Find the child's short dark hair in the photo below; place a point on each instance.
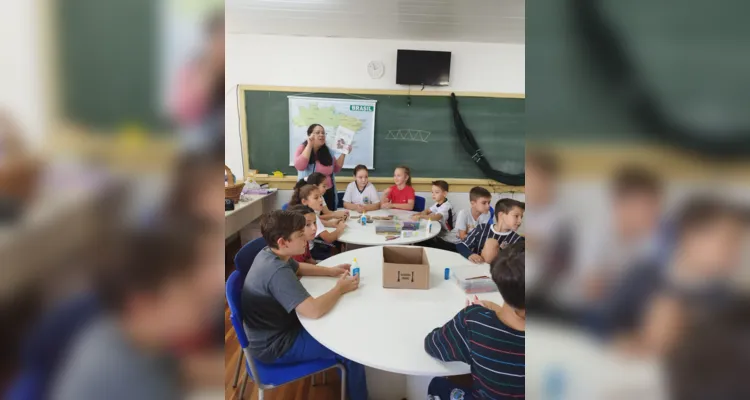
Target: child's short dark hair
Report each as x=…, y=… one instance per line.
x=280, y=224
x=509, y=274
x=544, y=161
x=718, y=339
x=696, y=211
x=478, y=192
x=301, y=192
x=441, y=184
x=504, y=206
x=634, y=179
x=358, y=168
x=316, y=178
x=301, y=209
x=152, y=257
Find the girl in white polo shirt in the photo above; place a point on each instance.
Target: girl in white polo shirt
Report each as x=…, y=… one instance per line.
x=361, y=195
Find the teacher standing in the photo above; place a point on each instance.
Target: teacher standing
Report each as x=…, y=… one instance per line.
x=314, y=156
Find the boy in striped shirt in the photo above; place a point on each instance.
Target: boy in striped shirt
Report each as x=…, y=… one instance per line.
x=486, y=240
x=487, y=336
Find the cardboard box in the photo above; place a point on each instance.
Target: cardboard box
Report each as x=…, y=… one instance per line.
x=405, y=268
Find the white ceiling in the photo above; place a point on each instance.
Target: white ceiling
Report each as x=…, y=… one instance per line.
x=497, y=21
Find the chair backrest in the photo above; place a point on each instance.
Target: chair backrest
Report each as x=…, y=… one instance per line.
x=340, y=196
x=234, y=300
x=492, y=215
x=245, y=257
x=284, y=207
x=419, y=203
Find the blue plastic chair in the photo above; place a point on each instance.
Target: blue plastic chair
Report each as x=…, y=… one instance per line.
x=269, y=376
x=44, y=348
x=492, y=215
x=419, y=203
x=245, y=257
x=243, y=260
x=284, y=207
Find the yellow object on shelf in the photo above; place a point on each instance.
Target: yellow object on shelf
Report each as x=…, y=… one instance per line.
x=278, y=174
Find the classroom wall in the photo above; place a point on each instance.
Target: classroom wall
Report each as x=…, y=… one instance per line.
x=342, y=63
x=21, y=85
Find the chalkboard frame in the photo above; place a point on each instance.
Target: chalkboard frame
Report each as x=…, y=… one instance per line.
x=241, y=89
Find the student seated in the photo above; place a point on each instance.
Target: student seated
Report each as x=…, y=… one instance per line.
x=361, y=195
x=441, y=211
x=487, y=336
x=325, y=241
x=648, y=307
x=486, y=240
x=319, y=180
x=272, y=293
x=479, y=213
x=310, y=234
x=401, y=195
x=163, y=291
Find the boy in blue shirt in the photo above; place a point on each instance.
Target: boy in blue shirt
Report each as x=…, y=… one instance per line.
x=486, y=240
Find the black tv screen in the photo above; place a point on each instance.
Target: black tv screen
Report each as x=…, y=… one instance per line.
x=418, y=67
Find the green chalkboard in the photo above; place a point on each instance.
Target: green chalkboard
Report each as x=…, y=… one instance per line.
x=497, y=125
x=108, y=69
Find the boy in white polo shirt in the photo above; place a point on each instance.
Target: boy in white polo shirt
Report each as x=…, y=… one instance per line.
x=441, y=211
x=479, y=213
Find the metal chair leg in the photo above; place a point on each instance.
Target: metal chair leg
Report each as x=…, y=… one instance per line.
x=244, y=385
x=343, y=381
x=324, y=377
x=261, y=392
x=313, y=380
x=237, y=373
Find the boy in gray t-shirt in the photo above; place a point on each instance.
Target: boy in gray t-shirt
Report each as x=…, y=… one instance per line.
x=272, y=296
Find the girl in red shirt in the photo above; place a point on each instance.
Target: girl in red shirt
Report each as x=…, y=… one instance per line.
x=401, y=195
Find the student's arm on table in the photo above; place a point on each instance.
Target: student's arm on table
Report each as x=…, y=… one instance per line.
x=352, y=206
x=385, y=201
x=330, y=237
x=448, y=343
x=408, y=206
x=372, y=207
x=329, y=222
x=491, y=250
x=423, y=214
x=662, y=325
x=310, y=269
x=316, y=307
x=462, y=234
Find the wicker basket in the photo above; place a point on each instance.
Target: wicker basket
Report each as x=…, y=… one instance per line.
x=233, y=190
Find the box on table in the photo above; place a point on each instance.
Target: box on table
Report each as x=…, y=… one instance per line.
x=405, y=268
x=473, y=280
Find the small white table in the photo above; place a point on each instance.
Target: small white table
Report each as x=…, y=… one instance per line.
x=385, y=328
x=360, y=235
x=245, y=212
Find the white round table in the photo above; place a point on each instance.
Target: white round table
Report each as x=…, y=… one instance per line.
x=584, y=367
x=385, y=328
x=360, y=235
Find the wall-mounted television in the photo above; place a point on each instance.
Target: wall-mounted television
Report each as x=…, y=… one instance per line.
x=419, y=67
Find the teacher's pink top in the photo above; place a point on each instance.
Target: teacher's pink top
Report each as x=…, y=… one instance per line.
x=301, y=162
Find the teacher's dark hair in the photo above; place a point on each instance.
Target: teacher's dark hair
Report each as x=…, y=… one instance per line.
x=324, y=154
